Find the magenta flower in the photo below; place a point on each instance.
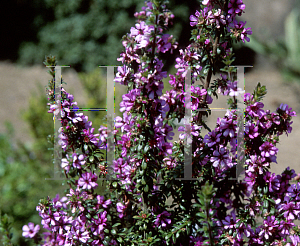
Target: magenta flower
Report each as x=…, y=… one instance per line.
x=270, y=224
x=78, y=161
x=272, y=181
x=194, y=19
x=245, y=32
x=121, y=208
x=162, y=219
x=288, y=111
x=230, y=221
x=30, y=230
x=128, y=100
x=101, y=201
x=65, y=163
x=291, y=210
x=220, y=157
x=212, y=138
x=88, y=181
x=285, y=227
x=295, y=239
x=229, y=126
x=123, y=75
x=267, y=149
x=236, y=7
x=216, y=18
x=100, y=223
x=251, y=130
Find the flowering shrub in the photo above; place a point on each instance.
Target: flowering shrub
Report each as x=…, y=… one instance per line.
x=211, y=209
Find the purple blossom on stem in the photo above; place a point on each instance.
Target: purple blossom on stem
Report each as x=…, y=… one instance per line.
x=212, y=138
x=162, y=219
x=272, y=181
x=251, y=130
x=230, y=221
x=99, y=223
x=228, y=126
x=194, y=19
x=236, y=7
x=121, y=209
x=30, y=230
x=78, y=161
x=291, y=210
x=220, y=157
x=268, y=149
x=87, y=181
x=270, y=224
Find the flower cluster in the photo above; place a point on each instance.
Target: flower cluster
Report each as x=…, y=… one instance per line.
x=149, y=169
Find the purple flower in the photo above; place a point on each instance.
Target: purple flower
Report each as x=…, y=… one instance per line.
x=295, y=239
x=162, y=219
x=30, y=230
x=78, y=161
x=236, y=7
x=270, y=225
x=245, y=32
x=80, y=235
x=267, y=149
x=128, y=100
x=163, y=43
x=233, y=89
x=285, y=227
x=121, y=208
x=99, y=223
x=194, y=19
x=285, y=111
x=216, y=17
x=65, y=163
x=230, y=221
x=256, y=163
x=273, y=181
x=255, y=110
x=212, y=138
x=294, y=191
x=88, y=181
x=220, y=157
x=229, y=126
x=102, y=202
x=291, y=210
x=123, y=75
x=251, y=130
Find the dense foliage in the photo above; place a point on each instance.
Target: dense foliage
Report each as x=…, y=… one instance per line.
x=84, y=33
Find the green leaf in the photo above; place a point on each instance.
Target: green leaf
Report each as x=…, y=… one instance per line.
x=139, y=147
x=266, y=203
x=202, y=215
x=146, y=189
x=144, y=165
x=146, y=149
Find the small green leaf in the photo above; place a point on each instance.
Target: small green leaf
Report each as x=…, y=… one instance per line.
x=144, y=165
x=146, y=189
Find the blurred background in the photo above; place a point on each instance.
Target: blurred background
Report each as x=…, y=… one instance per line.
x=86, y=34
